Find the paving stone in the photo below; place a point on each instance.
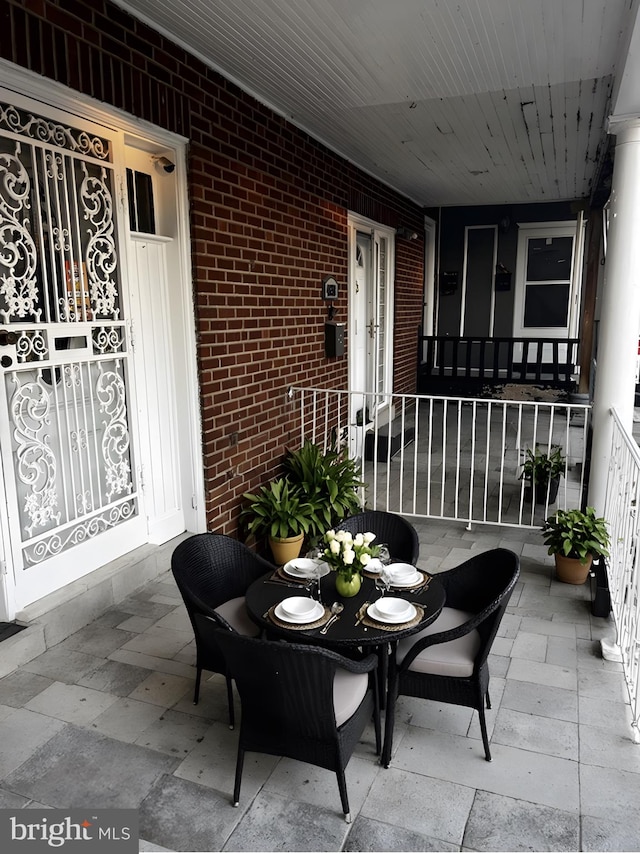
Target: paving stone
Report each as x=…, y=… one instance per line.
x=174, y=733
x=605, y=834
x=63, y=665
x=534, y=732
x=71, y=703
x=19, y=687
x=78, y=768
x=539, y=699
x=115, y=677
x=275, y=823
x=543, y=674
x=127, y=719
x=402, y=797
x=11, y=801
x=97, y=640
x=367, y=834
x=183, y=816
x=499, y=823
x=23, y=733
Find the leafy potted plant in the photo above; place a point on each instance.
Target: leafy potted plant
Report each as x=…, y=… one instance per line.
x=574, y=537
x=541, y=470
x=280, y=512
x=329, y=481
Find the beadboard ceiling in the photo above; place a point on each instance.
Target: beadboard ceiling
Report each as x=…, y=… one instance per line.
x=452, y=102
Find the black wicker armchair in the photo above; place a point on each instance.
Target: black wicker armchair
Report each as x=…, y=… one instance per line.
x=298, y=700
x=448, y=661
x=213, y=572
x=389, y=528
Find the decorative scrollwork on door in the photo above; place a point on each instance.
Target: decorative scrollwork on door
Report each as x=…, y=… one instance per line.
x=36, y=462
x=18, y=284
x=63, y=380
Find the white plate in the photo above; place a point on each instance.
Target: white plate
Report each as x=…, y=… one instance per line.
x=409, y=581
x=316, y=614
x=302, y=567
x=301, y=607
x=391, y=608
x=372, y=611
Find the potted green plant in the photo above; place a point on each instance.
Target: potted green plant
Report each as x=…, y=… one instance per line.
x=541, y=470
x=330, y=482
x=280, y=512
x=575, y=537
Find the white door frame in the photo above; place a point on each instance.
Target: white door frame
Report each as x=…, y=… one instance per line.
x=356, y=322
x=54, y=95
x=429, y=301
x=527, y=230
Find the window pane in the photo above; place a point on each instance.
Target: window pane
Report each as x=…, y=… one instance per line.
x=549, y=259
x=546, y=305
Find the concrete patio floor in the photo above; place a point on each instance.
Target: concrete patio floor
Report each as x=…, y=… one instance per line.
x=105, y=719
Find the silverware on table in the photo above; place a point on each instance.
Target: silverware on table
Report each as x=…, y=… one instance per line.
x=336, y=609
x=422, y=587
x=298, y=585
x=361, y=612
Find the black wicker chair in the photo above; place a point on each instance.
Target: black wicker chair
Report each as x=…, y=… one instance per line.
x=298, y=700
x=213, y=572
x=448, y=661
x=400, y=535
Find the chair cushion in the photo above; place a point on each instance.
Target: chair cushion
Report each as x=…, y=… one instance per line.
x=452, y=658
x=235, y=613
x=349, y=690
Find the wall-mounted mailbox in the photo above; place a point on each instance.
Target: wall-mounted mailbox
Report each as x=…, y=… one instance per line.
x=333, y=338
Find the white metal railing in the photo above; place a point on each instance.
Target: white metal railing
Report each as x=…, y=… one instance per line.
x=449, y=458
x=622, y=511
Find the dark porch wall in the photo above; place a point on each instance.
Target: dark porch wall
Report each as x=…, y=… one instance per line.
x=453, y=222
x=268, y=220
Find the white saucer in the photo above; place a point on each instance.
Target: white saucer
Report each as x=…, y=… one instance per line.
x=410, y=613
x=302, y=567
x=374, y=566
x=315, y=615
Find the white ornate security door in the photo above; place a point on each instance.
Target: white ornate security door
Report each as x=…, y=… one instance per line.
x=71, y=500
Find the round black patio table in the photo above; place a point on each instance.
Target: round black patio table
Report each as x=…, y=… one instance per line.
x=343, y=634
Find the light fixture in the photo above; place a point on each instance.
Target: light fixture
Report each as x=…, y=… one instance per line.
x=406, y=233
x=164, y=162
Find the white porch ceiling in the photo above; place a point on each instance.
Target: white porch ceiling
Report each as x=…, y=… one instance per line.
x=451, y=103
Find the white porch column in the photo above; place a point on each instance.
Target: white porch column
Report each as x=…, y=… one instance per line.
x=620, y=312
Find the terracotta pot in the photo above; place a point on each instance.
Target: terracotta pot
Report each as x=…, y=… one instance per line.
x=345, y=588
x=570, y=570
x=285, y=550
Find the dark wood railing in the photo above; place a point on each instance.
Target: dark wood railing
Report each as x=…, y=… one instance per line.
x=448, y=364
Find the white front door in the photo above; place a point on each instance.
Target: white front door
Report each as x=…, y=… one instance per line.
x=370, y=324
x=68, y=437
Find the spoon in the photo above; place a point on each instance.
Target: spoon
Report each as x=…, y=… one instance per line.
x=336, y=609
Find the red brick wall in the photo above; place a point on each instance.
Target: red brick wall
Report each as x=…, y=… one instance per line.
x=268, y=221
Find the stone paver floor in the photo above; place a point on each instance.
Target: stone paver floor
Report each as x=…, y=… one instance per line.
x=106, y=719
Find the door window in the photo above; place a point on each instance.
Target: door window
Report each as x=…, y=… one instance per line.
x=546, y=280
